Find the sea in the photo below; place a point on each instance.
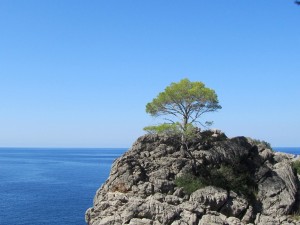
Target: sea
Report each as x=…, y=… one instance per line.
x=44, y=186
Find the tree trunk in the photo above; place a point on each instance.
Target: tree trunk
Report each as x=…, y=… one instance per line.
x=183, y=150
x=184, y=123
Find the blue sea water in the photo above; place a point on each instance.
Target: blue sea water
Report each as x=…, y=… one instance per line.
x=291, y=150
x=54, y=186
x=51, y=186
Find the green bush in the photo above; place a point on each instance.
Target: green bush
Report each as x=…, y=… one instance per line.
x=264, y=143
x=296, y=166
x=189, y=183
x=235, y=178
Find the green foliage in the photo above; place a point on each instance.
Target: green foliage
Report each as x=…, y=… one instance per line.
x=185, y=100
x=296, y=166
x=229, y=177
x=190, y=131
x=260, y=142
x=163, y=128
x=267, y=144
x=233, y=178
x=189, y=183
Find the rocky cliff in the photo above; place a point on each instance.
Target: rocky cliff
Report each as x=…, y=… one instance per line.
x=220, y=181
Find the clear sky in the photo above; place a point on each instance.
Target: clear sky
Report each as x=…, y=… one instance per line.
x=77, y=73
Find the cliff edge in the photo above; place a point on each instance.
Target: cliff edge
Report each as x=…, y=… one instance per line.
x=226, y=181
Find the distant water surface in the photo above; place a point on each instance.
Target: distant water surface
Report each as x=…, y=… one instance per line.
x=54, y=186
x=291, y=150
x=51, y=186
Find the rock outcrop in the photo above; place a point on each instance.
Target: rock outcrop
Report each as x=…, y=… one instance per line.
x=142, y=187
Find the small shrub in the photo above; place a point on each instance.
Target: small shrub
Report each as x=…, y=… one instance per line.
x=264, y=143
x=296, y=166
x=189, y=183
x=231, y=179
x=295, y=215
x=235, y=178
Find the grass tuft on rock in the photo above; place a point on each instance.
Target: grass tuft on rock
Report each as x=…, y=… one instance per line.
x=295, y=215
x=296, y=166
x=189, y=183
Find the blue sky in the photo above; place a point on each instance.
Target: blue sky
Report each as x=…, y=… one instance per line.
x=79, y=73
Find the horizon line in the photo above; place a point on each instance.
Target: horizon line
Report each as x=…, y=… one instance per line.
x=1, y=147
x=57, y=147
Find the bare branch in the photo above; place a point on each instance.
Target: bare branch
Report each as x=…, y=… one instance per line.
x=172, y=122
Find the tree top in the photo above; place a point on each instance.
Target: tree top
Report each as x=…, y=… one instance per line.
x=185, y=100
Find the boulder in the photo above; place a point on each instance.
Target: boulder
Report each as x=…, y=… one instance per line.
x=213, y=219
x=210, y=197
x=235, y=205
x=277, y=192
x=142, y=187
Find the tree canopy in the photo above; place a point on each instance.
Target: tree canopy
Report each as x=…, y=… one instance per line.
x=185, y=101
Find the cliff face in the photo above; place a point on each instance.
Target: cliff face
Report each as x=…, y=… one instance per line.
x=144, y=188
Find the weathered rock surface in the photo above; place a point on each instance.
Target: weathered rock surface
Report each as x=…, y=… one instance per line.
x=141, y=187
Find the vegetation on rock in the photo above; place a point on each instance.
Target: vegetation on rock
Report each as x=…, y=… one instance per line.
x=189, y=183
x=183, y=103
x=296, y=166
x=235, y=178
x=261, y=142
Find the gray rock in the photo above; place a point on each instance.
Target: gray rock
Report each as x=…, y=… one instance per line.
x=266, y=220
x=266, y=154
x=194, y=207
x=277, y=192
x=173, y=200
x=235, y=205
x=212, y=220
x=249, y=215
x=137, y=221
x=179, y=192
x=211, y=197
x=141, y=187
x=179, y=222
x=280, y=156
x=188, y=217
x=109, y=220
x=234, y=221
